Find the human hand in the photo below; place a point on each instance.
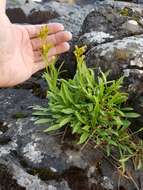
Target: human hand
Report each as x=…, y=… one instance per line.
x=20, y=55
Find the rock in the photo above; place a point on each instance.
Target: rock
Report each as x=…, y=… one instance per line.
x=30, y=13
x=110, y=23
x=14, y=177
x=94, y=38
x=15, y=2
x=128, y=62
x=131, y=25
x=33, y=160
x=71, y=17
x=35, y=13
x=120, y=51
x=121, y=57
x=7, y=181
x=18, y=131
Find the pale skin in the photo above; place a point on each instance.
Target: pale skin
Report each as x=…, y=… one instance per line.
x=20, y=54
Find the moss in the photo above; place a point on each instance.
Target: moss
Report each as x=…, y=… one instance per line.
x=44, y=174
x=126, y=12
x=19, y=115
x=3, y=127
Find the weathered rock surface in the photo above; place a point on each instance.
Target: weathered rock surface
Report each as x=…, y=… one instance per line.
x=33, y=160
x=30, y=13
x=118, y=49
x=71, y=16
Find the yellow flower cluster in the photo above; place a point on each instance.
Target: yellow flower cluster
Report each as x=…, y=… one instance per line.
x=43, y=32
x=79, y=51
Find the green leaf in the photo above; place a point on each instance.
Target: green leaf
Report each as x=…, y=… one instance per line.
x=95, y=112
x=53, y=128
x=126, y=123
x=62, y=94
x=76, y=128
x=86, y=128
x=118, y=121
x=42, y=121
x=132, y=115
x=67, y=93
x=79, y=117
x=67, y=111
x=114, y=132
x=140, y=164
x=90, y=107
x=38, y=108
x=129, y=150
x=123, y=160
x=104, y=134
x=108, y=150
x=104, y=76
x=38, y=113
x=127, y=109
x=112, y=142
x=83, y=138
x=64, y=121
x=120, y=112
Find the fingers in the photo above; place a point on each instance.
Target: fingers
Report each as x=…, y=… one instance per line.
x=61, y=48
x=58, y=38
x=53, y=39
x=39, y=63
x=33, y=30
x=38, y=66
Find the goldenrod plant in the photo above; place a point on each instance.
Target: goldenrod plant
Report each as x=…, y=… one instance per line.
x=94, y=110
x=45, y=47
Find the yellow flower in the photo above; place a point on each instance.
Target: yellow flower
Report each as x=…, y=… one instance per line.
x=80, y=51
x=43, y=32
x=45, y=49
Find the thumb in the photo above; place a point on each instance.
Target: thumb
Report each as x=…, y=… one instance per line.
x=2, y=6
